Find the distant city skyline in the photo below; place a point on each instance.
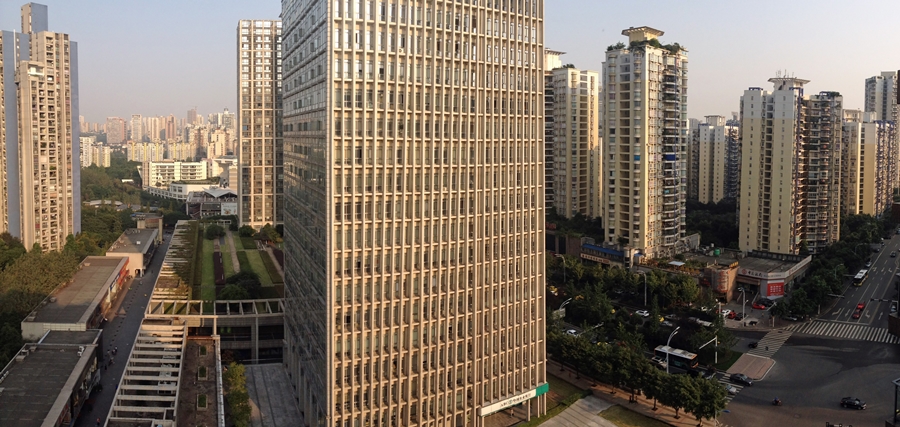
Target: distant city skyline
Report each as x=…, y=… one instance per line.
x=172, y=56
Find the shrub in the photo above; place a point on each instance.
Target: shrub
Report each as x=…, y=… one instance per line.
x=246, y=231
x=214, y=231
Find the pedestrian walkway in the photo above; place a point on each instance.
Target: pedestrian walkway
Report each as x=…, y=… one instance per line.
x=853, y=331
x=642, y=405
x=229, y=241
x=770, y=343
x=582, y=413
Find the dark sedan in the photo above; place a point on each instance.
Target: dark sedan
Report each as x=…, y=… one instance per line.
x=852, y=402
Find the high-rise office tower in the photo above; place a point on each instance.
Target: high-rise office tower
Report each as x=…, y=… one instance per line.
x=693, y=165
x=137, y=128
x=259, y=142
x=115, y=130
x=718, y=159
x=39, y=134
x=868, y=162
x=790, y=168
x=414, y=211
x=575, y=132
x=645, y=132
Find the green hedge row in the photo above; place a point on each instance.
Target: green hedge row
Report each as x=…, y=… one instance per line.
x=248, y=243
x=271, y=268
x=244, y=261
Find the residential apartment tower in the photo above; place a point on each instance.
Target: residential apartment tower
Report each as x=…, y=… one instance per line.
x=645, y=128
x=40, y=198
x=259, y=146
x=790, y=168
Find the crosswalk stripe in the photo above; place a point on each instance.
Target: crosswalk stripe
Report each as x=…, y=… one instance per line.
x=834, y=329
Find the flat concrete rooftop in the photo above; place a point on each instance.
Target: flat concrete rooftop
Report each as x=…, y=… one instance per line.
x=134, y=240
x=71, y=337
x=271, y=397
x=765, y=264
x=39, y=385
x=76, y=301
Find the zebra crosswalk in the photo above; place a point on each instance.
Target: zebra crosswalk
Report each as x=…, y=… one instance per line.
x=852, y=331
x=770, y=343
x=723, y=379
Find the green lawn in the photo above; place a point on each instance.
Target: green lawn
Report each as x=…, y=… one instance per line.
x=561, y=388
x=226, y=259
x=256, y=263
x=726, y=363
x=208, y=293
x=209, y=278
x=624, y=417
x=248, y=243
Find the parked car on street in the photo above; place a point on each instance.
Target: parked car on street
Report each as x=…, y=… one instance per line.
x=790, y=317
x=726, y=312
x=758, y=306
x=642, y=313
x=853, y=402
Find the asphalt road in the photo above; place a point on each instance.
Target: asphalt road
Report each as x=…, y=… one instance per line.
x=120, y=331
x=810, y=376
x=880, y=285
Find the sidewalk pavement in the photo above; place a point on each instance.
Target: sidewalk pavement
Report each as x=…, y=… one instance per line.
x=642, y=406
x=753, y=366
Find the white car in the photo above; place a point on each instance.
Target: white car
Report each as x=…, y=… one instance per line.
x=642, y=313
x=726, y=312
x=572, y=332
x=667, y=324
x=730, y=389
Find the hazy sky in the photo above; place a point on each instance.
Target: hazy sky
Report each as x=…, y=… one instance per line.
x=163, y=57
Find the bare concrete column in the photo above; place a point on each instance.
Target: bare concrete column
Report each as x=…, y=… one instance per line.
x=254, y=335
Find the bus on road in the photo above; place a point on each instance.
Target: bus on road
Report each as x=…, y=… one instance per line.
x=678, y=358
x=860, y=277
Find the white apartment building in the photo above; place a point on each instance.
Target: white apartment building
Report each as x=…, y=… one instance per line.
x=145, y=151
x=718, y=159
x=101, y=155
x=40, y=191
x=572, y=121
x=160, y=174
x=868, y=163
x=259, y=141
x=552, y=61
x=87, y=143
x=414, y=216
x=137, y=128
x=180, y=151
x=645, y=128
x=790, y=168
x=881, y=98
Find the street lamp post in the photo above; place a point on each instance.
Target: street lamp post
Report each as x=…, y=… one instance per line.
x=644, y=273
x=743, y=304
x=669, y=341
x=562, y=258
x=564, y=303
